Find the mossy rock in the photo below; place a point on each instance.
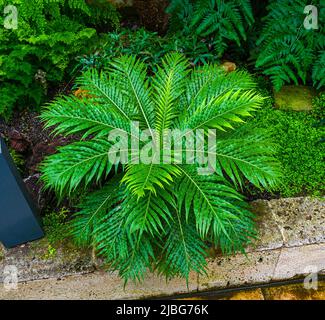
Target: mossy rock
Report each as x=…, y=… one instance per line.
x=296, y=98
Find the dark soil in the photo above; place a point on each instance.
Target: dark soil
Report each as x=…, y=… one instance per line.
x=25, y=134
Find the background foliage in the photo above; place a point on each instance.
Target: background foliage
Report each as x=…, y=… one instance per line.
x=287, y=51
x=148, y=46
x=35, y=56
x=218, y=21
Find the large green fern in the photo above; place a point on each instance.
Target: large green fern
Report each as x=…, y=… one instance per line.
x=158, y=216
x=288, y=52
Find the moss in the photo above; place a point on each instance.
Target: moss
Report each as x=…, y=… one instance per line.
x=298, y=149
x=297, y=98
x=2, y=255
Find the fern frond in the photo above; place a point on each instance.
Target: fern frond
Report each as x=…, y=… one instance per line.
x=287, y=50
x=221, y=112
x=71, y=115
x=251, y=158
x=78, y=163
x=131, y=74
x=105, y=90
x=96, y=206
x=183, y=250
x=142, y=177
x=169, y=83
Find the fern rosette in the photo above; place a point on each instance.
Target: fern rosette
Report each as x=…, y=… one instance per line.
x=160, y=216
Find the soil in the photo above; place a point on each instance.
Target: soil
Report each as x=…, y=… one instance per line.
x=25, y=134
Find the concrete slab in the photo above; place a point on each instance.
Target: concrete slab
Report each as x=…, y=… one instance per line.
x=97, y=286
x=269, y=233
x=291, y=245
x=237, y=270
x=32, y=262
x=301, y=220
x=298, y=261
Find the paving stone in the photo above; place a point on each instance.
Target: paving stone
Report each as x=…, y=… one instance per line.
x=98, y=285
x=239, y=270
x=301, y=260
x=269, y=233
x=291, y=240
x=301, y=220
x=32, y=262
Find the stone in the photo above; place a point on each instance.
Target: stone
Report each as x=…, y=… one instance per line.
x=296, y=98
x=269, y=233
x=32, y=263
x=239, y=270
x=229, y=66
x=301, y=220
x=297, y=261
x=291, y=246
x=99, y=286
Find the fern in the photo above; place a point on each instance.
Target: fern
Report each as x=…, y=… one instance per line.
x=224, y=21
x=287, y=51
x=157, y=216
x=50, y=34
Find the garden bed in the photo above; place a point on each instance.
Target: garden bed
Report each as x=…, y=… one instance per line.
x=81, y=79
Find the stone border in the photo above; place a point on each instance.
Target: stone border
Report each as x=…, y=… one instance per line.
x=291, y=245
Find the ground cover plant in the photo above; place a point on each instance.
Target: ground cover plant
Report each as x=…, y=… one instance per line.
x=297, y=137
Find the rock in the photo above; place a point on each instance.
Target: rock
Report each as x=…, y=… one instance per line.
x=32, y=263
x=297, y=98
x=229, y=66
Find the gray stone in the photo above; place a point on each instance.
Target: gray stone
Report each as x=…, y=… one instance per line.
x=291, y=245
x=269, y=233
x=98, y=285
x=298, y=261
x=301, y=220
x=238, y=270
x=33, y=264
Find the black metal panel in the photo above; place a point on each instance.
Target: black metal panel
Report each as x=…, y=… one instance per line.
x=19, y=219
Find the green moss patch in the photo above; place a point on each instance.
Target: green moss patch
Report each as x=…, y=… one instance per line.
x=296, y=98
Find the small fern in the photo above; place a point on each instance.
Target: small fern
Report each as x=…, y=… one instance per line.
x=287, y=51
x=224, y=21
